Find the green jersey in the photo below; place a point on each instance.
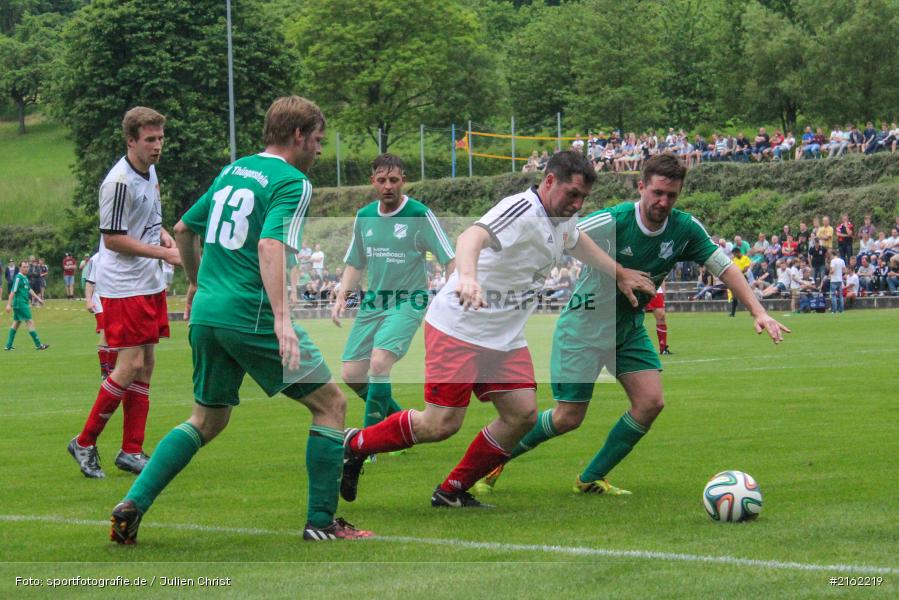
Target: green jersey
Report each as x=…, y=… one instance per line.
x=620, y=230
x=21, y=290
x=393, y=247
x=256, y=197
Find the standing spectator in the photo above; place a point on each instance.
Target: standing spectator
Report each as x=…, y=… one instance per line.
x=81, y=267
x=818, y=259
x=45, y=273
x=789, y=248
x=795, y=274
x=68, y=275
x=802, y=246
x=772, y=254
x=318, y=261
x=742, y=262
x=743, y=245
x=844, y=237
x=10, y=274
x=825, y=233
x=17, y=303
x=867, y=227
x=34, y=278
x=837, y=266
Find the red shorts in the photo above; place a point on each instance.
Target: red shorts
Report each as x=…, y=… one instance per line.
x=135, y=321
x=101, y=322
x=658, y=301
x=454, y=369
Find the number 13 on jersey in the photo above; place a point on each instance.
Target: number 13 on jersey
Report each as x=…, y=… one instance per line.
x=233, y=231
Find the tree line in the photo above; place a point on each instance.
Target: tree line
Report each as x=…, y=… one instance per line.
x=384, y=66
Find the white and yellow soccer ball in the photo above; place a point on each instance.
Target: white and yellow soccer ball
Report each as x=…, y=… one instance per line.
x=732, y=496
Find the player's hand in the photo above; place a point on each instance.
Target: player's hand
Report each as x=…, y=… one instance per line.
x=338, y=308
x=189, y=300
x=775, y=329
x=8, y=308
x=172, y=256
x=288, y=344
x=469, y=292
x=90, y=306
x=166, y=240
x=630, y=281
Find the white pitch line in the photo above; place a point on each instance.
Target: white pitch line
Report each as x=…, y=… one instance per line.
x=494, y=546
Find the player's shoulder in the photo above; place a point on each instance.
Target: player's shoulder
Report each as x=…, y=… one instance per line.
x=685, y=220
x=269, y=170
x=605, y=216
x=525, y=203
x=369, y=210
x=415, y=208
x=121, y=172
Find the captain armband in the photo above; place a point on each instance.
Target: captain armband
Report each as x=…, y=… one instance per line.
x=717, y=262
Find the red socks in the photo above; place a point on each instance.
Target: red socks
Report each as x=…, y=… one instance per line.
x=136, y=406
x=108, y=399
x=107, y=360
x=483, y=455
x=393, y=433
x=662, y=332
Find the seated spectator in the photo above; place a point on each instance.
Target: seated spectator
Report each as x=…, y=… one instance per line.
x=851, y=289
x=880, y=140
x=881, y=274
x=776, y=140
x=789, y=248
x=893, y=276
x=784, y=146
x=889, y=247
x=806, y=149
x=869, y=135
x=700, y=147
x=761, y=143
x=856, y=139
x=773, y=251
x=865, y=246
x=608, y=156
x=893, y=137
x=865, y=274
x=742, y=148
x=819, y=140
x=544, y=159
x=838, y=143
x=531, y=165
x=757, y=253
x=782, y=285
x=723, y=148
x=563, y=287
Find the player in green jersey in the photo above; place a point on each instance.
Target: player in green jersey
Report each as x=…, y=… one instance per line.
x=652, y=236
x=19, y=303
x=240, y=320
x=391, y=237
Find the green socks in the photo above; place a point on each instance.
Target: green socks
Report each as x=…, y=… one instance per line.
x=542, y=431
x=35, y=339
x=622, y=439
x=379, y=404
x=10, y=337
x=171, y=455
x=324, y=464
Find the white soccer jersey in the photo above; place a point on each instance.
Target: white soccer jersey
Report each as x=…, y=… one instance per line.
x=90, y=276
x=526, y=246
x=129, y=204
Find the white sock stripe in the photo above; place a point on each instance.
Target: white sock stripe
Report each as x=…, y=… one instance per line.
x=112, y=388
x=143, y=389
x=408, y=416
x=494, y=546
x=492, y=441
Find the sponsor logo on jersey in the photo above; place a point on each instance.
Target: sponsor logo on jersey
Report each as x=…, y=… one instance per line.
x=400, y=230
x=666, y=250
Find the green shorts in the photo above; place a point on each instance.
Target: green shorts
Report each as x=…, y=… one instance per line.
x=574, y=367
x=223, y=356
x=389, y=330
x=21, y=312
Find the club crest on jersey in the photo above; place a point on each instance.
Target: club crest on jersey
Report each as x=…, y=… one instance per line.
x=666, y=250
x=400, y=230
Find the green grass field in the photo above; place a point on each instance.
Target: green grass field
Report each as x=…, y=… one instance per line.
x=814, y=420
x=46, y=155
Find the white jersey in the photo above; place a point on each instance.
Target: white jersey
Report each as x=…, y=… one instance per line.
x=526, y=245
x=130, y=205
x=836, y=269
x=90, y=276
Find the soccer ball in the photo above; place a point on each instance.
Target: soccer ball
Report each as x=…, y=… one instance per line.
x=732, y=496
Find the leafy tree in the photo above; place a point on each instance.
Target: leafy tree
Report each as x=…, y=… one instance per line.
x=13, y=11
x=173, y=58
x=775, y=48
x=617, y=63
x=393, y=64
x=25, y=58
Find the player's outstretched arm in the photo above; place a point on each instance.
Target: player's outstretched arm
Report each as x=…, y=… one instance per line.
x=736, y=281
x=629, y=281
x=468, y=249
x=271, y=267
x=348, y=282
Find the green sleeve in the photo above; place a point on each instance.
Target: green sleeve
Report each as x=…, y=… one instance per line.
x=286, y=215
x=435, y=239
x=700, y=246
x=197, y=215
x=355, y=254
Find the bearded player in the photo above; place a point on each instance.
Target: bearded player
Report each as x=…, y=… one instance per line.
x=652, y=235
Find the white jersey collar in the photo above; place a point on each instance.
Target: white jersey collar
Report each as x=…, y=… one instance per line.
x=646, y=230
x=394, y=212
x=270, y=155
